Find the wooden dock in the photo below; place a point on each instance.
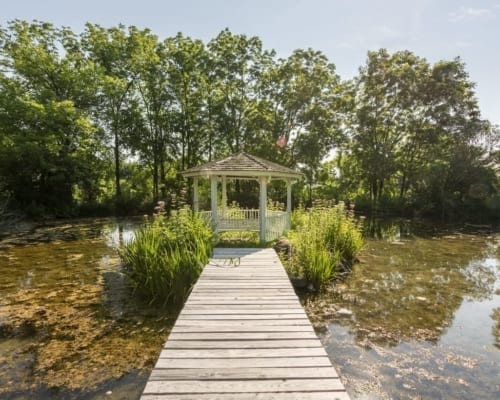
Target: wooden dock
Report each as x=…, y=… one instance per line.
x=243, y=334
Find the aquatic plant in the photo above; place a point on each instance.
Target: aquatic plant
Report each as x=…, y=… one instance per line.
x=324, y=238
x=168, y=254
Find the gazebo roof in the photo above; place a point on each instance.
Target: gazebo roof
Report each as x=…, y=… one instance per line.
x=242, y=165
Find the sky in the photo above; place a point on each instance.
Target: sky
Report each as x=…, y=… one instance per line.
x=344, y=30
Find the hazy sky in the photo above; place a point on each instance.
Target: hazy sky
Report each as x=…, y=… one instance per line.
x=342, y=29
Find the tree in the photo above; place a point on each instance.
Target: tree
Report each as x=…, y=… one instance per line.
x=46, y=90
x=148, y=135
x=415, y=131
x=236, y=64
x=306, y=100
x=112, y=51
x=187, y=87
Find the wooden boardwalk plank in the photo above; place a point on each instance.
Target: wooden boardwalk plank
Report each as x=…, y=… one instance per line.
x=246, y=353
x=242, y=373
x=241, y=344
x=244, y=386
x=243, y=323
x=242, y=362
x=242, y=328
x=250, y=396
x=243, y=334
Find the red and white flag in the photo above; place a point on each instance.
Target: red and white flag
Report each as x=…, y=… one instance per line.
x=281, y=142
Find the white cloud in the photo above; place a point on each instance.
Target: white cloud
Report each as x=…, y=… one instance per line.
x=469, y=14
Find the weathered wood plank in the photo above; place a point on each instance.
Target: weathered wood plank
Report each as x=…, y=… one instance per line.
x=243, y=373
x=325, y=395
x=240, y=316
x=246, y=353
x=224, y=300
x=239, y=328
x=248, y=311
x=241, y=307
x=238, y=293
x=243, y=362
x=241, y=335
x=243, y=323
x=225, y=297
x=241, y=344
x=243, y=386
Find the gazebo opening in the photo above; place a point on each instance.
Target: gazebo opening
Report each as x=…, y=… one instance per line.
x=242, y=166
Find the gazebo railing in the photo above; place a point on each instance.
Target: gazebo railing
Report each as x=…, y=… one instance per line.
x=277, y=223
x=237, y=219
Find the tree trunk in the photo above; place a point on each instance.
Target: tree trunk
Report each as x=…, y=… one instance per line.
x=116, y=149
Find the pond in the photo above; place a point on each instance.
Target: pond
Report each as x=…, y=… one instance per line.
x=418, y=317
x=69, y=326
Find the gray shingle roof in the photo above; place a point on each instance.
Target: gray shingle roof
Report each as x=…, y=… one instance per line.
x=242, y=165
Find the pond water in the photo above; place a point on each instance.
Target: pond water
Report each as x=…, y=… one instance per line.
x=69, y=326
x=418, y=317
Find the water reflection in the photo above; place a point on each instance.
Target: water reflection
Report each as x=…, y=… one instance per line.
x=412, y=302
x=69, y=326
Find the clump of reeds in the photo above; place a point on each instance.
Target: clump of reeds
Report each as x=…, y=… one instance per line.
x=325, y=239
x=168, y=254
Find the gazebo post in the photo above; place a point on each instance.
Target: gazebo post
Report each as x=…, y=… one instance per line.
x=224, y=195
x=213, y=201
x=263, y=208
x=196, y=201
x=289, y=196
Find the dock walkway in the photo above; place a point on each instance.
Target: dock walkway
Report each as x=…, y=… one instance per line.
x=243, y=334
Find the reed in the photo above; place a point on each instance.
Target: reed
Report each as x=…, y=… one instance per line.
x=324, y=239
x=167, y=256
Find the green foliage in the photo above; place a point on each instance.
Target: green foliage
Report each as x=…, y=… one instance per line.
x=323, y=240
x=417, y=141
x=239, y=239
x=167, y=255
x=108, y=118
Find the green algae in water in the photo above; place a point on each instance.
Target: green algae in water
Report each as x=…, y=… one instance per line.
x=69, y=326
x=417, y=318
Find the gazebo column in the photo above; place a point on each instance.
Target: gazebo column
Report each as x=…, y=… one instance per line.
x=263, y=208
x=224, y=196
x=288, y=203
x=289, y=196
x=196, y=201
x=213, y=201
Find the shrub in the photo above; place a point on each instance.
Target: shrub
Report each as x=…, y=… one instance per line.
x=167, y=255
x=323, y=239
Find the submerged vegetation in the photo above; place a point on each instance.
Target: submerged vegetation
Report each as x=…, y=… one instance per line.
x=167, y=255
x=325, y=240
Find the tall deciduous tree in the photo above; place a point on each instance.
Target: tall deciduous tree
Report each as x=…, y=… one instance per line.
x=46, y=89
x=305, y=99
x=236, y=65
x=113, y=50
x=187, y=86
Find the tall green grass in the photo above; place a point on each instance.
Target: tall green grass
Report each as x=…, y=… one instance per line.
x=167, y=256
x=324, y=239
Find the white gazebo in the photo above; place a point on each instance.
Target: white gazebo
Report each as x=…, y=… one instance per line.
x=244, y=166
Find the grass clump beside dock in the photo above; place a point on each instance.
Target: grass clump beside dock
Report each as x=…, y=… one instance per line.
x=167, y=256
x=325, y=239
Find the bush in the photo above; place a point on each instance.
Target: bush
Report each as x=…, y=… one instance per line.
x=167, y=256
x=323, y=239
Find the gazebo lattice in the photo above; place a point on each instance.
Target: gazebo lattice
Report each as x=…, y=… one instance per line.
x=269, y=223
